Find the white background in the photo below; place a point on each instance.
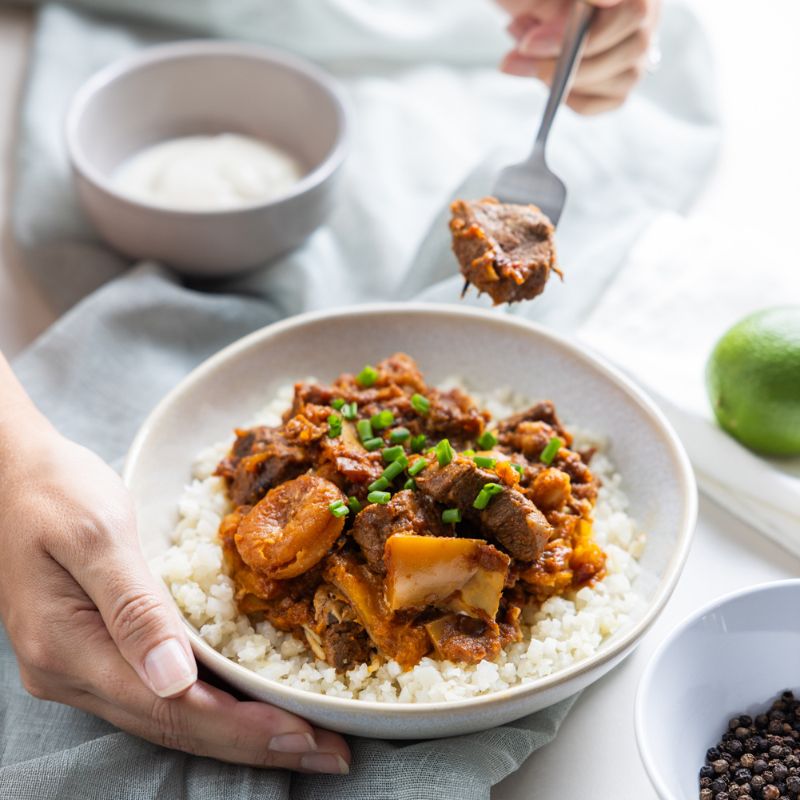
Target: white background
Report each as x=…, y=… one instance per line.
x=758, y=72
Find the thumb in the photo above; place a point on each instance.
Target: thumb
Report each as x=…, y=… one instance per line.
x=137, y=611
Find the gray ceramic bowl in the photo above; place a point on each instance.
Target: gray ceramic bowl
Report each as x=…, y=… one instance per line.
x=490, y=350
x=205, y=87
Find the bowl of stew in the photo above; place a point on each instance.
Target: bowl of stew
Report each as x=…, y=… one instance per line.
x=411, y=521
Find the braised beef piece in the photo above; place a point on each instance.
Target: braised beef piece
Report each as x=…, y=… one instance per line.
x=583, y=482
x=400, y=370
x=464, y=639
x=344, y=461
x=510, y=517
x=530, y=431
x=505, y=250
x=260, y=458
x=406, y=512
x=346, y=645
x=453, y=415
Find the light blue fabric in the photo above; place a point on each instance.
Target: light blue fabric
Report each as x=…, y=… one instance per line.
x=433, y=119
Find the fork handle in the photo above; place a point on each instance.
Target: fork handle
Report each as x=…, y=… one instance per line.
x=580, y=19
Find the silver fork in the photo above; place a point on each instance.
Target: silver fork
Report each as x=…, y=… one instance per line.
x=532, y=181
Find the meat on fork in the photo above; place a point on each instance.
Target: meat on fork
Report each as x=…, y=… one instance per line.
x=506, y=250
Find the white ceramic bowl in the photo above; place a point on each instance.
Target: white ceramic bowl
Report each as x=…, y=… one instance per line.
x=490, y=350
x=733, y=656
x=207, y=87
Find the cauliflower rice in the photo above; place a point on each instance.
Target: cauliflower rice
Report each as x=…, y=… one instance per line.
x=562, y=631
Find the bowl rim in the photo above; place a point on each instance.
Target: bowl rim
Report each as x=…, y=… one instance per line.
x=646, y=679
x=199, y=48
x=625, y=642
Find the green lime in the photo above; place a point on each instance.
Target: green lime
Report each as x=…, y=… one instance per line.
x=753, y=381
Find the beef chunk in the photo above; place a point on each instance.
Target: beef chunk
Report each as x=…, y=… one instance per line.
x=530, y=431
x=510, y=517
x=406, y=512
x=346, y=645
x=517, y=524
x=505, y=250
x=400, y=370
x=456, y=484
x=583, y=482
x=260, y=458
x=464, y=639
x=453, y=415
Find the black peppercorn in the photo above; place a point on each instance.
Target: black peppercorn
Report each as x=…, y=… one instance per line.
x=756, y=758
x=742, y=775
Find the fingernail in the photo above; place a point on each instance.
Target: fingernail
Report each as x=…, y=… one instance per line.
x=331, y=763
x=169, y=669
x=540, y=45
x=293, y=743
x=520, y=25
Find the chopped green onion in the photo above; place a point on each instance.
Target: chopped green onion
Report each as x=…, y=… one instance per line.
x=468, y=453
x=337, y=402
x=353, y=504
x=392, y=453
x=350, y=410
x=420, y=404
x=519, y=468
x=451, y=515
x=399, y=435
x=485, y=461
x=373, y=444
x=379, y=485
x=444, y=453
x=550, y=452
x=486, y=494
x=334, y=426
x=395, y=468
x=383, y=419
x=367, y=377
x=487, y=440
x=379, y=497
x=417, y=443
x=417, y=466
x=410, y=484
x=364, y=428
x=338, y=509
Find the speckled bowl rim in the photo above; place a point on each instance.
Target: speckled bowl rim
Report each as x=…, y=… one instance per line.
x=222, y=665
x=194, y=48
x=640, y=724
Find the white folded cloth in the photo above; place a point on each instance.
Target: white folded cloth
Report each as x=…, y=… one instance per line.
x=684, y=284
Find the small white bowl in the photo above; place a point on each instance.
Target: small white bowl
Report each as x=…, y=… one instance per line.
x=490, y=350
x=207, y=87
x=733, y=656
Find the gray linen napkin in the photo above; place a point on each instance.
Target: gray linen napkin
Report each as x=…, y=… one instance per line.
x=105, y=363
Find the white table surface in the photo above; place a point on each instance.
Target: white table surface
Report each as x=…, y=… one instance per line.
x=594, y=756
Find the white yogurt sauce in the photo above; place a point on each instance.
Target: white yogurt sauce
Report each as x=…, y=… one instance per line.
x=207, y=173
